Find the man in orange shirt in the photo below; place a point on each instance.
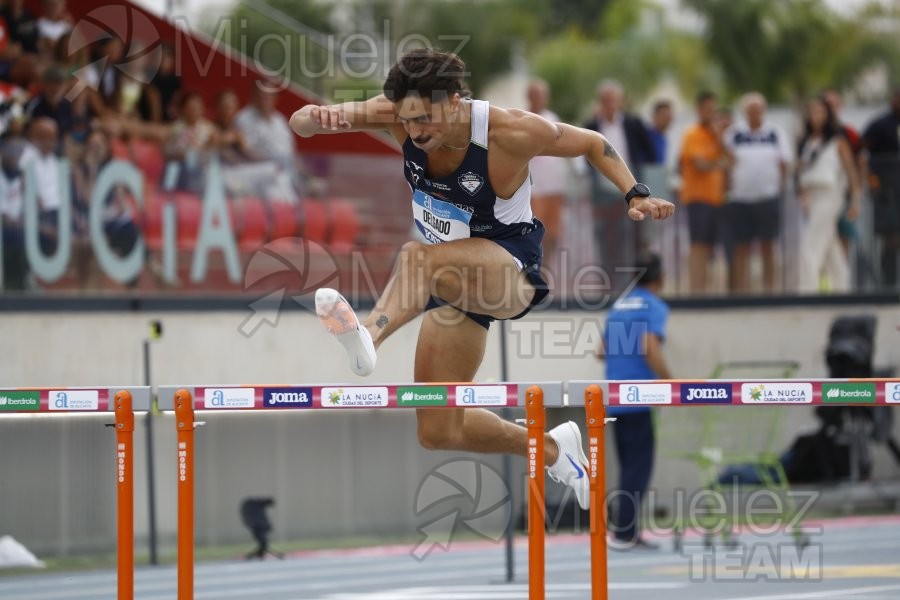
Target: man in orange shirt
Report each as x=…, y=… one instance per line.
x=704, y=166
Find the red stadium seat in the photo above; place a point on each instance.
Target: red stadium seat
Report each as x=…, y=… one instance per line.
x=119, y=149
x=315, y=221
x=284, y=219
x=251, y=222
x=344, y=225
x=150, y=218
x=189, y=212
x=148, y=157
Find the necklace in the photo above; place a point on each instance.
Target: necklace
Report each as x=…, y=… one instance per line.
x=469, y=141
x=448, y=147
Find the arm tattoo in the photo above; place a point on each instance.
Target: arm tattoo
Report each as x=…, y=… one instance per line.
x=559, y=132
x=382, y=321
x=610, y=152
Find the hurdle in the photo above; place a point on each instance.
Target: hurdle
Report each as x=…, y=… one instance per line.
x=123, y=401
x=186, y=399
x=593, y=395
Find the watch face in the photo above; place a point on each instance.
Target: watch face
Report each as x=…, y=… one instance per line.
x=641, y=190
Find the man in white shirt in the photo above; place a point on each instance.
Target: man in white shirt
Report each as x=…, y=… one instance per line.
x=266, y=130
x=762, y=155
x=548, y=178
x=41, y=156
x=269, y=138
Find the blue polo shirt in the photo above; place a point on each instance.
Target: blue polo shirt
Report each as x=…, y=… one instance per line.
x=630, y=318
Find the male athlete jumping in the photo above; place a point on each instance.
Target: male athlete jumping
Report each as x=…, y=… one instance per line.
x=467, y=165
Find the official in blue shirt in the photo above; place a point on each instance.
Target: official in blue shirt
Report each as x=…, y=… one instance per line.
x=632, y=348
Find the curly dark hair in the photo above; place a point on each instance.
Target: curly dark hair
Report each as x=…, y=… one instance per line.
x=427, y=73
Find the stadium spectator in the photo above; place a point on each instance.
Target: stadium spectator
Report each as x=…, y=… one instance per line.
x=881, y=139
x=13, y=97
x=51, y=101
x=40, y=155
x=52, y=25
x=190, y=138
x=617, y=238
x=9, y=50
x=167, y=83
x=548, y=179
x=118, y=222
x=22, y=25
x=660, y=121
x=137, y=98
x=269, y=138
x=12, y=193
x=243, y=172
x=266, y=130
x=232, y=145
x=638, y=314
x=847, y=229
x=103, y=76
x=705, y=162
x=24, y=72
x=825, y=167
x=762, y=156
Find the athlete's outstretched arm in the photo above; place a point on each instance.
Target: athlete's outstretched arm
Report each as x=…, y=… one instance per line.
x=375, y=113
x=535, y=135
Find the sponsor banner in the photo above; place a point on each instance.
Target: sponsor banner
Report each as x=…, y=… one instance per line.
x=354, y=397
x=240, y=397
x=481, y=395
x=892, y=392
x=12, y=400
x=777, y=392
x=288, y=397
x=848, y=393
x=705, y=393
x=73, y=399
x=645, y=393
x=431, y=395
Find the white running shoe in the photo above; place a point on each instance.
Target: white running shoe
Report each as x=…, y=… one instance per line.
x=339, y=319
x=571, y=468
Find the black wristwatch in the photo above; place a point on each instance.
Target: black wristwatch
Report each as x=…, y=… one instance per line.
x=639, y=189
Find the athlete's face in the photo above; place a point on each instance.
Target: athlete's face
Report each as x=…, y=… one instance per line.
x=428, y=123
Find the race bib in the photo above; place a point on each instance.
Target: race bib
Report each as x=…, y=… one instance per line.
x=439, y=221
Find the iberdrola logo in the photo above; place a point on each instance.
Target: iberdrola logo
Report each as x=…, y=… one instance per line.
x=756, y=392
x=335, y=397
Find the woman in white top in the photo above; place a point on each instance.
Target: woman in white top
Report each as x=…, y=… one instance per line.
x=824, y=169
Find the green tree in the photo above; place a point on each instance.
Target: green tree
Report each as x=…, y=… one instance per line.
x=261, y=31
x=483, y=32
x=788, y=50
x=632, y=45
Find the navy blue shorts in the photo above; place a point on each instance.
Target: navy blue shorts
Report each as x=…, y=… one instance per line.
x=527, y=249
x=704, y=223
x=748, y=221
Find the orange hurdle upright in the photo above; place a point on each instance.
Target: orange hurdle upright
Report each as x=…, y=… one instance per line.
x=125, y=493
x=535, y=420
x=184, y=416
x=596, y=423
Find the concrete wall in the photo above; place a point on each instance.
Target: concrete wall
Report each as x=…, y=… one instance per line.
x=332, y=473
